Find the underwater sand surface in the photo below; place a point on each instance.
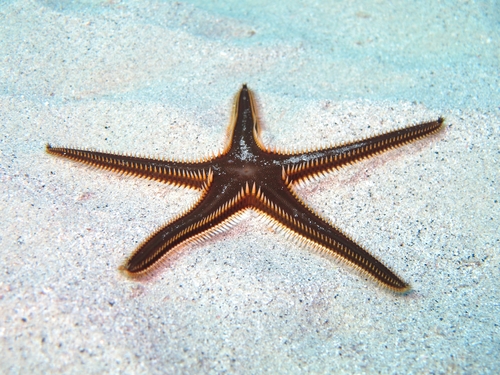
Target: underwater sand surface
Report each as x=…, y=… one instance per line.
x=158, y=78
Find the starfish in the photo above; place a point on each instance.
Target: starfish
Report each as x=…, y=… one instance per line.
x=248, y=175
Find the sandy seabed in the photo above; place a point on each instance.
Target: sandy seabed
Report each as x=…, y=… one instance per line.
x=158, y=78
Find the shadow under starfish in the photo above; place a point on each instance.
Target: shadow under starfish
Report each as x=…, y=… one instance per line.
x=247, y=174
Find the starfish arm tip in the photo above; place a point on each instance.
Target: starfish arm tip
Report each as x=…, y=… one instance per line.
x=124, y=269
x=406, y=289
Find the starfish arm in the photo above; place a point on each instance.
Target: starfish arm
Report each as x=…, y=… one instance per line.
x=303, y=166
x=192, y=175
x=243, y=133
x=296, y=218
x=216, y=211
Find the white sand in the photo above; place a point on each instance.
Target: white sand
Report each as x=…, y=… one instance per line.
x=158, y=79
